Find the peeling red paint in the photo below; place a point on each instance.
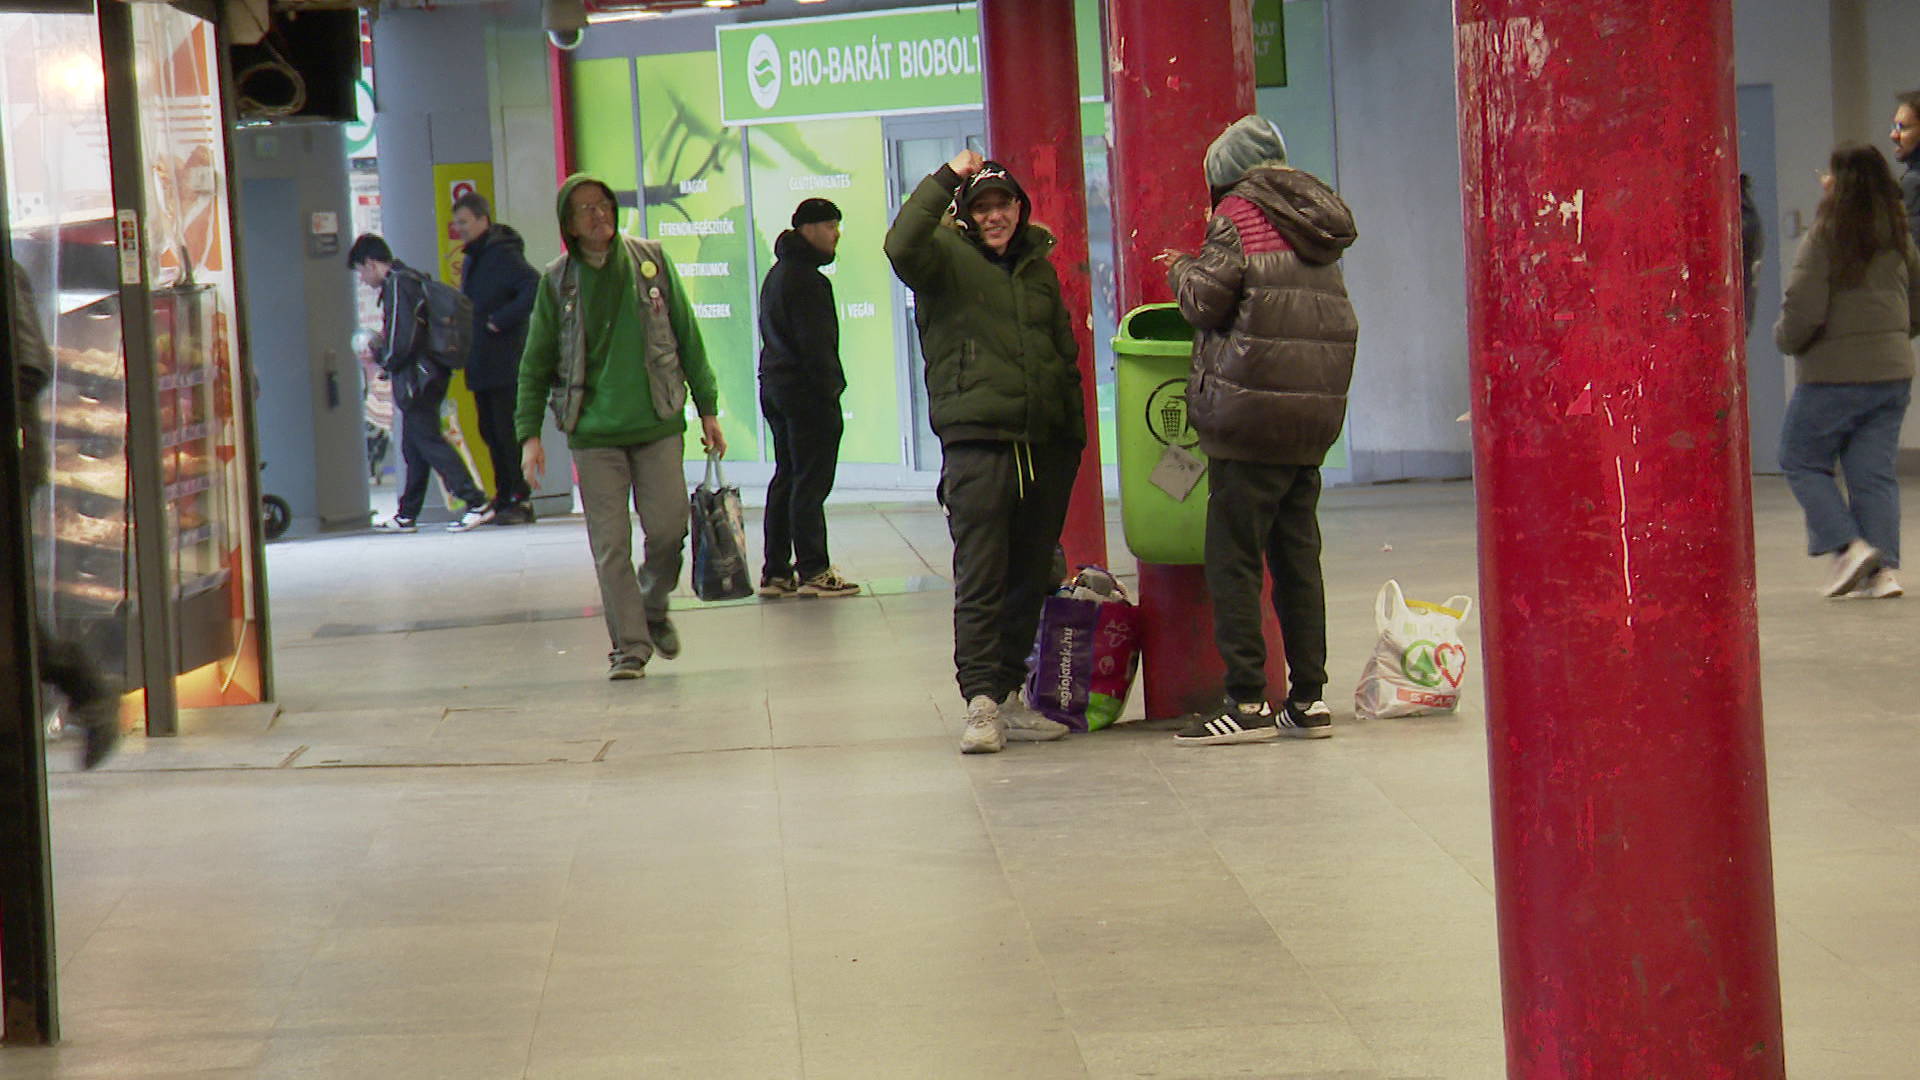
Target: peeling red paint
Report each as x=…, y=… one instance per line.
x=1633, y=866
x=1032, y=84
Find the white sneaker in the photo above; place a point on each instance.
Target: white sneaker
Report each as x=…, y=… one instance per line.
x=397, y=524
x=983, y=735
x=1880, y=585
x=477, y=514
x=1852, y=565
x=1025, y=725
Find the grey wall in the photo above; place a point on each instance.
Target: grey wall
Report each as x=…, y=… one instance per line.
x=300, y=321
x=1397, y=145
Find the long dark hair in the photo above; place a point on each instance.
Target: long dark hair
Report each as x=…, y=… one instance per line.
x=1863, y=214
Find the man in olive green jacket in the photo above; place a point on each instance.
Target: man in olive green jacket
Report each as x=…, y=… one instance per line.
x=1004, y=397
x=612, y=347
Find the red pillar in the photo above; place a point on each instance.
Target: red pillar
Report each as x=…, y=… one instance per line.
x=1031, y=76
x=1632, y=865
x=560, y=88
x=1182, y=71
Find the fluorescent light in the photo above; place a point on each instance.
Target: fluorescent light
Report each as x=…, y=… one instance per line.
x=597, y=18
x=722, y=3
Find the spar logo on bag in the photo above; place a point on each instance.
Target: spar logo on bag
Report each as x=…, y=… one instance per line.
x=1420, y=660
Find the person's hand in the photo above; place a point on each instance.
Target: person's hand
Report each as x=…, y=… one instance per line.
x=1167, y=255
x=710, y=438
x=533, y=459
x=967, y=162
x=491, y=327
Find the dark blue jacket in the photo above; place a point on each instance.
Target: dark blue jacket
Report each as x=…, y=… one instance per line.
x=496, y=276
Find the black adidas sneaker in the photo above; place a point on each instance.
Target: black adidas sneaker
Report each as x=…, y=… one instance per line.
x=1237, y=723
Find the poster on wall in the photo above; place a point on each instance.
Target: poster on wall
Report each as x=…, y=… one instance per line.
x=694, y=200
x=450, y=182
x=840, y=160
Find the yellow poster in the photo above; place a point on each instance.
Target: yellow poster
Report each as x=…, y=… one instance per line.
x=450, y=182
x=463, y=424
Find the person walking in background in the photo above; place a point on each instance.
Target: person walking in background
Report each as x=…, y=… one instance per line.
x=1753, y=248
x=800, y=385
x=1852, y=308
x=93, y=696
x=1004, y=396
x=419, y=388
x=495, y=275
x=1272, y=358
x=1906, y=150
x=614, y=350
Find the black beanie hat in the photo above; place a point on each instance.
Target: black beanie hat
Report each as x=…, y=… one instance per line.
x=811, y=211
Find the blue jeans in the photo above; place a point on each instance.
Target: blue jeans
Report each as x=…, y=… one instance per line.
x=1857, y=427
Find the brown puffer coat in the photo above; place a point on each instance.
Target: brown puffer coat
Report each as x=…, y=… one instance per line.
x=1276, y=333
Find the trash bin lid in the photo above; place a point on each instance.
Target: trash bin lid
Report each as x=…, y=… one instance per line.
x=1154, y=330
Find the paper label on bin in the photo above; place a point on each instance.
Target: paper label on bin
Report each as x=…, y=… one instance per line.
x=1178, y=473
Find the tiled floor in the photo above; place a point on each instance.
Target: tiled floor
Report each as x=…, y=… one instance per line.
x=460, y=852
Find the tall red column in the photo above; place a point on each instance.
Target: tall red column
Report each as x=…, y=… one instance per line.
x=1033, y=128
x=1632, y=865
x=1182, y=70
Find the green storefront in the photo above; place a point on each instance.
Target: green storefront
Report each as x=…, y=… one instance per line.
x=710, y=137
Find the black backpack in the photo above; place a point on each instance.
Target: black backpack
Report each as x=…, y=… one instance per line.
x=449, y=330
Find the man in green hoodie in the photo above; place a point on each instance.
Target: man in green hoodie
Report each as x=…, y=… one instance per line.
x=613, y=350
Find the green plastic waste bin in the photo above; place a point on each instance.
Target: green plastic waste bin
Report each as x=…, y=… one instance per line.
x=1152, y=354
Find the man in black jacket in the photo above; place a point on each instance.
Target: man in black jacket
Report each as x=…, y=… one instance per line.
x=496, y=276
x=419, y=388
x=800, y=386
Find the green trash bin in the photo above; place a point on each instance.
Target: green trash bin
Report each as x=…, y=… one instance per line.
x=1152, y=354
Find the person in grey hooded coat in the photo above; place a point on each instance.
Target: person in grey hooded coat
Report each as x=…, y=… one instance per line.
x=1272, y=357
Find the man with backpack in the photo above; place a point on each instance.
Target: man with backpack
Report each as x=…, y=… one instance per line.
x=420, y=341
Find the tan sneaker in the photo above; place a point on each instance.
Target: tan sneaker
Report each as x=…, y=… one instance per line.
x=1881, y=585
x=1024, y=725
x=983, y=734
x=828, y=582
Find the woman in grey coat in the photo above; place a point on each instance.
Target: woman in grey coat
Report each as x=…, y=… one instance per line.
x=1852, y=309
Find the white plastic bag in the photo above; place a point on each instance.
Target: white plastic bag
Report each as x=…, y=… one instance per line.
x=1420, y=660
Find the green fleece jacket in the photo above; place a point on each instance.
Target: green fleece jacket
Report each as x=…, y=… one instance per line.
x=618, y=408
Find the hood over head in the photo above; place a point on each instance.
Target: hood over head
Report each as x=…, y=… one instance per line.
x=1306, y=211
x=791, y=245
x=992, y=176
x=567, y=188
x=1248, y=143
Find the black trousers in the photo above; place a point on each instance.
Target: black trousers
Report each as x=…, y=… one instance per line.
x=425, y=448
x=806, y=451
x=1261, y=512
x=495, y=407
x=1006, y=504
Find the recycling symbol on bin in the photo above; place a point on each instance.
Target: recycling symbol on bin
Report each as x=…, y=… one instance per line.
x=1167, y=415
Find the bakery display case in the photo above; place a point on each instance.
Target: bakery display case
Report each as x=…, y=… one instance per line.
x=116, y=174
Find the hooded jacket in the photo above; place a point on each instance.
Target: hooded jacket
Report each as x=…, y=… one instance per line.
x=495, y=276
x=1001, y=360
x=1275, y=342
x=799, y=326
x=616, y=368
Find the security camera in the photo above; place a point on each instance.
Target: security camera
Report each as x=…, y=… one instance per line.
x=565, y=22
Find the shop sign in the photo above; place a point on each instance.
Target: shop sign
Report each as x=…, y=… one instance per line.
x=1269, y=43
x=916, y=60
